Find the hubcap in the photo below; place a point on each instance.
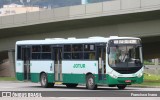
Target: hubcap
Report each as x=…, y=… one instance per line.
x=44, y=80
x=90, y=81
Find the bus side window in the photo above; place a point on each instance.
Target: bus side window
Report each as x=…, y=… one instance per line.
x=89, y=51
x=67, y=55
x=77, y=51
x=35, y=55
x=67, y=48
x=36, y=52
x=89, y=55
x=19, y=55
x=36, y=48
x=77, y=47
x=67, y=52
x=89, y=47
x=77, y=55
x=46, y=52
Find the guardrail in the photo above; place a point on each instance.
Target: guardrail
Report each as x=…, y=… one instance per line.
x=76, y=12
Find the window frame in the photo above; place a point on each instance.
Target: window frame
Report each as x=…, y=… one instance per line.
x=82, y=51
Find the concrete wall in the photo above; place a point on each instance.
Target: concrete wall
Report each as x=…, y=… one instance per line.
x=5, y=69
x=138, y=29
x=108, y=8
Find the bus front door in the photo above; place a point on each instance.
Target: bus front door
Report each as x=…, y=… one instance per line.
x=101, y=53
x=26, y=61
x=57, y=63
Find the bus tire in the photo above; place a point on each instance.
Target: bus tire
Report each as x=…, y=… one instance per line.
x=44, y=80
x=121, y=87
x=50, y=84
x=71, y=85
x=90, y=82
x=112, y=85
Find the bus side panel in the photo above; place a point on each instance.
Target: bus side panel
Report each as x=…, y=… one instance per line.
x=20, y=76
x=75, y=71
x=74, y=78
x=35, y=77
x=19, y=70
x=36, y=67
x=50, y=77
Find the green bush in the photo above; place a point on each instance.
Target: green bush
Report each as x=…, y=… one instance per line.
x=148, y=63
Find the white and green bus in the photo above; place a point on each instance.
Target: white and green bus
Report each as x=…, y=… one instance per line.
x=113, y=61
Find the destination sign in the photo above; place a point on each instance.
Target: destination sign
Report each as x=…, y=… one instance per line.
x=125, y=41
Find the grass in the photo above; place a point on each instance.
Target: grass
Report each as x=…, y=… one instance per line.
x=8, y=79
x=150, y=84
x=148, y=63
x=150, y=80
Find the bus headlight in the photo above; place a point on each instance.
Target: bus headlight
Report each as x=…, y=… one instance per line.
x=139, y=75
x=113, y=76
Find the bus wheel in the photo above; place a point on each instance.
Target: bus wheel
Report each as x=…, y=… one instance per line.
x=44, y=80
x=121, y=87
x=71, y=85
x=90, y=82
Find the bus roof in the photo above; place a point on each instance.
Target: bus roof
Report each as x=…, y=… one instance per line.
x=72, y=40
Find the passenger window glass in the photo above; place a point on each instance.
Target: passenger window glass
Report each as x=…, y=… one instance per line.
x=46, y=55
x=46, y=48
x=89, y=55
x=77, y=55
x=79, y=51
x=67, y=48
x=36, y=52
x=89, y=47
x=36, y=48
x=46, y=52
x=19, y=52
x=67, y=56
x=36, y=56
x=77, y=47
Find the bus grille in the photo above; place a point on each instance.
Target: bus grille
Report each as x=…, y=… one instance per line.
x=126, y=70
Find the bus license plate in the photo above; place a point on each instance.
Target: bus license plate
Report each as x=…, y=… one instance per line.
x=127, y=81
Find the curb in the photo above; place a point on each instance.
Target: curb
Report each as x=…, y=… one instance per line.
x=144, y=86
x=11, y=82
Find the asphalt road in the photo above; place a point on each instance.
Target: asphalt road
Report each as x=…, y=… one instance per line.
x=28, y=86
x=80, y=91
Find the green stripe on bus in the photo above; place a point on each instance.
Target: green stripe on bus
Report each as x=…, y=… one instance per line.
x=74, y=78
x=35, y=77
x=81, y=78
x=77, y=78
x=20, y=76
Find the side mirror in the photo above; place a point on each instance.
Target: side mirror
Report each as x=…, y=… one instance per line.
x=108, y=50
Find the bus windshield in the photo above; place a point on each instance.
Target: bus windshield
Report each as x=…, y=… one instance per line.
x=125, y=56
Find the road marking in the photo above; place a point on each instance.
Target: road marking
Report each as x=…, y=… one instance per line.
x=7, y=87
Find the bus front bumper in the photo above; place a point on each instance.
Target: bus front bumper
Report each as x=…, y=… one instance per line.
x=124, y=80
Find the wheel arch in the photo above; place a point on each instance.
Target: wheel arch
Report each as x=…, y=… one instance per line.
x=41, y=74
x=88, y=74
